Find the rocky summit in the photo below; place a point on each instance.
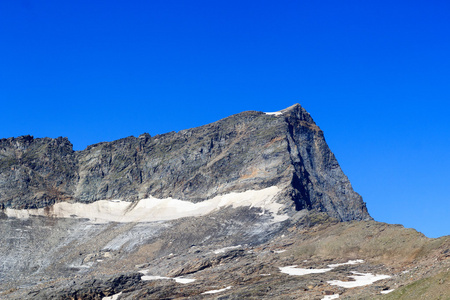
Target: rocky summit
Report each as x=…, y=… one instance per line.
x=253, y=206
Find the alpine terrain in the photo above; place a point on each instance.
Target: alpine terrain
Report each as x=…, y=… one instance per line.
x=253, y=206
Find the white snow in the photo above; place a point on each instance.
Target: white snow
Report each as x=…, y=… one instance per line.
x=330, y=297
x=223, y=250
x=177, y=279
x=361, y=279
x=154, y=209
x=292, y=270
x=279, y=251
x=113, y=297
x=350, y=262
x=387, y=291
x=148, y=278
x=217, y=291
x=183, y=280
x=277, y=113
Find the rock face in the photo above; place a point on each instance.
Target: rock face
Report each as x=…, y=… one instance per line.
x=271, y=195
x=250, y=150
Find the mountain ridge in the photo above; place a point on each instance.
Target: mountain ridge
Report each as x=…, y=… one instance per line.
x=249, y=150
x=253, y=206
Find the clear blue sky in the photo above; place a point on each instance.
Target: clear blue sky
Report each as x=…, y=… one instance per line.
x=375, y=75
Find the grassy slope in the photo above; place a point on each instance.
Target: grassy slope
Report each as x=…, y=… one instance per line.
x=434, y=287
x=377, y=242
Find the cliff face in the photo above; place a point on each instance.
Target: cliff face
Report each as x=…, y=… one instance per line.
x=250, y=150
x=36, y=172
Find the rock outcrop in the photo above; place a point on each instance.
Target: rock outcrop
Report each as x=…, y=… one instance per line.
x=249, y=150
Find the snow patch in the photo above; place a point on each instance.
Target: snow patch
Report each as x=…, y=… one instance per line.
x=113, y=297
x=276, y=113
x=330, y=297
x=154, y=209
x=177, y=279
x=387, y=291
x=148, y=278
x=183, y=280
x=350, y=262
x=292, y=270
x=217, y=291
x=361, y=279
x=279, y=251
x=223, y=250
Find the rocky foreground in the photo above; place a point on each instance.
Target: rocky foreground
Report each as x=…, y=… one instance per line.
x=229, y=254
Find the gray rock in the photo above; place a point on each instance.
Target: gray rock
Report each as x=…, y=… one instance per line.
x=250, y=150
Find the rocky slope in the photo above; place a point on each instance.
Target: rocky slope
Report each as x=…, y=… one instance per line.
x=248, y=207
x=229, y=254
x=248, y=151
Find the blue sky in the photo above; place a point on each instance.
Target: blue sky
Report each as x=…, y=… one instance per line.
x=375, y=76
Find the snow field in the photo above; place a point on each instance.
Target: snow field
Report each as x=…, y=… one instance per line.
x=293, y=270
x=361, y=279
x=154, y=209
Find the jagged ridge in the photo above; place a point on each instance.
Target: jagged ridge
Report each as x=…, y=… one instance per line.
x=250, y=150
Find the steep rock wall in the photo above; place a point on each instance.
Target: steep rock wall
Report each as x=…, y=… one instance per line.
x=250, y=150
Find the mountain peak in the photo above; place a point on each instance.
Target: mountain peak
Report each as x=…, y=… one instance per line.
x=238, y=200
x=248, y=151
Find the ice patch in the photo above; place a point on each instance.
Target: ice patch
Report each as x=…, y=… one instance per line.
x=350, y=262
x=223, y=250
x=217, y=291
x=361, y=279
x=154, y=209
x=330, y=297
x=292, y=270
